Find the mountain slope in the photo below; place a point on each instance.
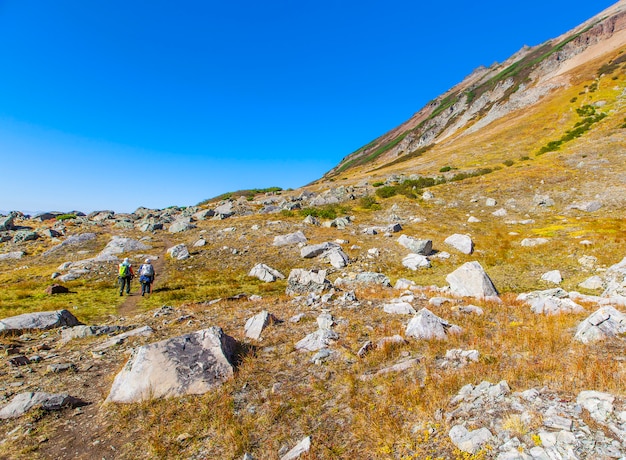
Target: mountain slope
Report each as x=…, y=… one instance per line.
x=586, y=57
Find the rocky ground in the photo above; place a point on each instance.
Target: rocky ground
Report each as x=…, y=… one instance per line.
x=376, y=333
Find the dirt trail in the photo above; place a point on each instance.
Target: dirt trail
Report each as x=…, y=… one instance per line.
x=86, y=434
x=129, y=306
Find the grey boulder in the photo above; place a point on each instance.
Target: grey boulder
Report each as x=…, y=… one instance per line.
x=427, y=325
x=423, y=247
x=39, y=320
x=189, y=364
x=23, y=402
x=265, y=273
x=470, y=280
x=302, y=281
x=602, y=324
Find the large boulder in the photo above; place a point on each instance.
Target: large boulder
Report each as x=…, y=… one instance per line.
x=56, y=289
x=302, y=281
x=550, y=302
x=265, y=273
x=427, y=325
x=423, y=247
x=189, y=364
x=24, y=402
x=291, y=238
x=313, y=250
x=337, y=258
x=317, y=340
x=181, y=225
x=462, y=243
x=6, y=222
x=225, y=210
x=120, y=244
x=602, y=324
x=255, y=325
x=615, y=280
x=470, y=280
x=39, y=320
x=178, y=252
x=416, y=261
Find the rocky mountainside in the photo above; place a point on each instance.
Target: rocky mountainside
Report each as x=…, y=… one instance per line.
x=527, y=81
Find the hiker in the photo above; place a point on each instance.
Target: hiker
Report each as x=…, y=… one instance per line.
x=146, y=277
x=125, y=274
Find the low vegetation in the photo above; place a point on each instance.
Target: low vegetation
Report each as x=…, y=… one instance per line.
x=247, y=193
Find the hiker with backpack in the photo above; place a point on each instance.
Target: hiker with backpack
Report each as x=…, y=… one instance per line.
x=125, y=274
x=146, y=277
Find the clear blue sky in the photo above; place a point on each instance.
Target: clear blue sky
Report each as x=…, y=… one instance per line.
x=120, y=104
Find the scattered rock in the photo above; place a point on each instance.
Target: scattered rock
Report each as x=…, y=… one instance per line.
x=553, y=276
x=470, y=280
x=423, y=247
x=291, y=238
x=532, y=242
x=56, y=289
x=469, y=441
x=426, y=325
x=301, y=448
x=265, y=273
x=255, y=325
x=416, y=261
x=462, y=243
x=602, y=324
x=302, y=281
x=179, y=252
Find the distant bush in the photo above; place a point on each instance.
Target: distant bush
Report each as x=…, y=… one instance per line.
x=378, y=184
x=466, y=175
x=445, y=169
x=330, y=211
x=286, y=213
x=524, y=158
x=66, y=217
x=410, y=188
x=387, y=191
x=369, y=202
x=248, y=193
x=508, y=162
x=574, y=99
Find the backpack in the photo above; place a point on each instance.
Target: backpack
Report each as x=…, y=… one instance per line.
x=124, y=270
x=146, y=270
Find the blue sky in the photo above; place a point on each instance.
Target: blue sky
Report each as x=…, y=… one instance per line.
x=121, y=104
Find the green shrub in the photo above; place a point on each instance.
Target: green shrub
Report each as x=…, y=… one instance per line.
x=524, y=158
x=465, y=175
x=445, y=169
x=378, y=184
x=286, y=213
x=66, y=217
x=330, y=211
x=508, y=162
x=369, y=202
x=589, y=118
x=387, y=191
